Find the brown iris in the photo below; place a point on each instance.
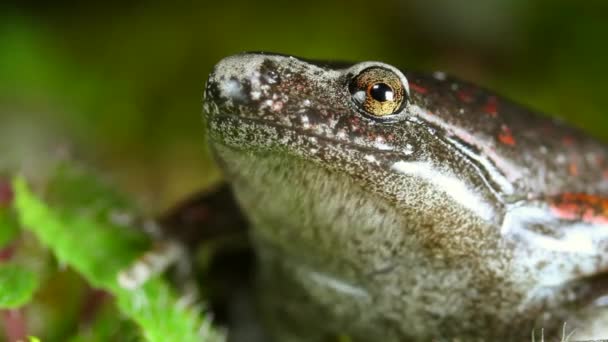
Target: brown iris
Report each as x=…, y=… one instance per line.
x=379, y=92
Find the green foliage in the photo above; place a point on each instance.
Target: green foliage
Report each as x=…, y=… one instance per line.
x=75, y=224
x=106, y=327
x=17, y=286
x=8, y=227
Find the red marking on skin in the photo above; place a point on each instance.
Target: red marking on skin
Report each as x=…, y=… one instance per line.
x=465, y=96
x=568, y=140
x=605, y=174
x=596, y=219
x=580, y=207
x=566, y=211
x=276, y=106
x=510, y=171
x=491, y=107
x=418, y=88
x=573, y=169
x=589, y=216
x=506, y=137
x=354, y=124
x=599, y=160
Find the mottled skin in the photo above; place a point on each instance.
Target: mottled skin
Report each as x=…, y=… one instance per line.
x=464, y=216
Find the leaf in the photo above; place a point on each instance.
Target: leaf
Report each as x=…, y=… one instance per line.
x=9, y=228
x=79, y=232
x=107, y=326
x=8, y=224
x=17, y=286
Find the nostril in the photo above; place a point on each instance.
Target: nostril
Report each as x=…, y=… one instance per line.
x=233, y=89
x=236, y=82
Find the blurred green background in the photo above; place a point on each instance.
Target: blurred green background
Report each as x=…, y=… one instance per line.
x=119, y=83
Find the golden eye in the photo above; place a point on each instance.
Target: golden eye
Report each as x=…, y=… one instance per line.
x=378, y=91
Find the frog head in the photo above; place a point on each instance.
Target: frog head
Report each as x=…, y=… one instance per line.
x=346, y=172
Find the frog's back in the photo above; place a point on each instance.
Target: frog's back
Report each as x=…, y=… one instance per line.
x=538, y=155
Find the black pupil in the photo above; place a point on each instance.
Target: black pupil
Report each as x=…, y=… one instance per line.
x=381, y=92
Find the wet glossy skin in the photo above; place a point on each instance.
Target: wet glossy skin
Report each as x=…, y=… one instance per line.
x=461, y=216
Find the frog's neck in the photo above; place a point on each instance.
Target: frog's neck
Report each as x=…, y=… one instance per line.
x=305, y=209
x=301, y=204
x=327, y=229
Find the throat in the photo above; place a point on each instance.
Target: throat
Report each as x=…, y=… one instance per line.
x=313, y=214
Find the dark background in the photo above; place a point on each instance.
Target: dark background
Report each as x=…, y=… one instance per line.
x=119, y=83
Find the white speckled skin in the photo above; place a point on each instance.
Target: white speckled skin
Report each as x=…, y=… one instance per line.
x=390, y=230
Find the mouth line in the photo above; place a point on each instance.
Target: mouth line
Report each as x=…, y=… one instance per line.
x=590, y=288
x=308, y=134
x=579, y=293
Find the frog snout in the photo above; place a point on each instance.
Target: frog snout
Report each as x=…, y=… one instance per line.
x=234, y=80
